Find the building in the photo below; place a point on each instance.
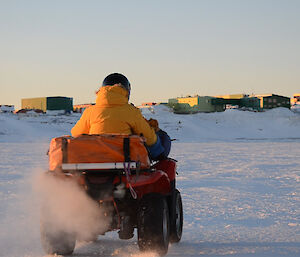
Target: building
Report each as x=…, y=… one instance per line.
x=29, y=111
x=213, y=104
x=81, y=107
x=273, y=101
x=250, y=103
x=241, y=101
x=54, y=103
x=257, y=102
x=149, y=104
x=295, y=99
x=194, y=104
x=189, y=104
x=234, y=96
x=7, y=108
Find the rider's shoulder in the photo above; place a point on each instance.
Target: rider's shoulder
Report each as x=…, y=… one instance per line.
x=133, y=107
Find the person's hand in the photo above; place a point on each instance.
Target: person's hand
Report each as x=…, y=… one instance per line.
x=154, y=124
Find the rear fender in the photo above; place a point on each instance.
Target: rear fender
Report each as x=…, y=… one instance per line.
x=145, y=183
x=168, y=166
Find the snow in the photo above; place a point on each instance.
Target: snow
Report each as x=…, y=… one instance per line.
x=296, y=108
x=34, y=128
x=279, y=123
x=239, y=175
x=7, y=108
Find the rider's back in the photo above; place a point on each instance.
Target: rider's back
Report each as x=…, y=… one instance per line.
x=112, y=114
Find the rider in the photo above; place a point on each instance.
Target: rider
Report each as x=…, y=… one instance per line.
x=113, y=114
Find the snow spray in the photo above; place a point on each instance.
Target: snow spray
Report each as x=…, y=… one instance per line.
x=66, y=206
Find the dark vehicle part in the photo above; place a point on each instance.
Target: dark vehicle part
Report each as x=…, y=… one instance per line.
x=177, y=219
x=154, y=224
x=55, y=241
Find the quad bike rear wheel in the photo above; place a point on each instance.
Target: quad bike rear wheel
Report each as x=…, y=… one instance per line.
x=177, y=218
x=55, y=241
x=154, y=224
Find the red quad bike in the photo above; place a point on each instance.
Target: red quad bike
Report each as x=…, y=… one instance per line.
x=115, y=171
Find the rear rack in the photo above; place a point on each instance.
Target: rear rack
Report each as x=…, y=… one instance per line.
x=98, y=166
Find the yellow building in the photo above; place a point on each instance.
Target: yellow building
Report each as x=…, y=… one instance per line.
x=191, y=100
x=194, y=104
x=50, y=103
x=234, y=96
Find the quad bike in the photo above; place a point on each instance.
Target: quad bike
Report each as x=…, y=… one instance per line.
x=134, y=192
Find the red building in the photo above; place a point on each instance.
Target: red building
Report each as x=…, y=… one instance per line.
x=81, y=107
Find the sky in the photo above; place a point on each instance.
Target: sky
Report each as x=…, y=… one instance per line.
x=166, y=48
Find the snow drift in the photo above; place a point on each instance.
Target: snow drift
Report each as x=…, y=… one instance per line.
x=274, y=124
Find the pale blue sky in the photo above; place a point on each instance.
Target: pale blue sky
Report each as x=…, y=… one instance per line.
x=166, y=48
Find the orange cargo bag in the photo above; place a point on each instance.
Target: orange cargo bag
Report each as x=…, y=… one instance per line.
x=105, y=148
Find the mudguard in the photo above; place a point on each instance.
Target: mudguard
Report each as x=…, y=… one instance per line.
x=168, y=166
x=148, y=182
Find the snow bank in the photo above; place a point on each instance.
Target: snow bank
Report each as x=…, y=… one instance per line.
x=296, y=108
x=275, y=124
x=279, y=123
x=34, y=128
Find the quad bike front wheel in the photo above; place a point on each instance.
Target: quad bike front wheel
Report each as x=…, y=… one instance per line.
x=154, y=224
x=177, y=218
x=56, y=241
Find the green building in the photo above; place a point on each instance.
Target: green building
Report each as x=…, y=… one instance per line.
x=272, y=101
x=194, y=104
x=251, y=103
x=186, y=105
x=53, y=103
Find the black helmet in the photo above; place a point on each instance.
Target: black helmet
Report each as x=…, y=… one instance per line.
x=116, y=78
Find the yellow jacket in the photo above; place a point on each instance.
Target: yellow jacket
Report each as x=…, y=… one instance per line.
x=113, y=114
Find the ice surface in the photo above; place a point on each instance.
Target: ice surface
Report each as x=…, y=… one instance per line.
x=239, y=175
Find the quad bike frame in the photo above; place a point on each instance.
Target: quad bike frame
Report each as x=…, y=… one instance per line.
x=146, y=199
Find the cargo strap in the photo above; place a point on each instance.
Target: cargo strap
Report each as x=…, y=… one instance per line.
x=126, y=149
x=65, y=150
x=128, y=173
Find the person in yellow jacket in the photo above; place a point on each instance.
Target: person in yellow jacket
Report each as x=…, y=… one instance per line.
x=113, y=114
